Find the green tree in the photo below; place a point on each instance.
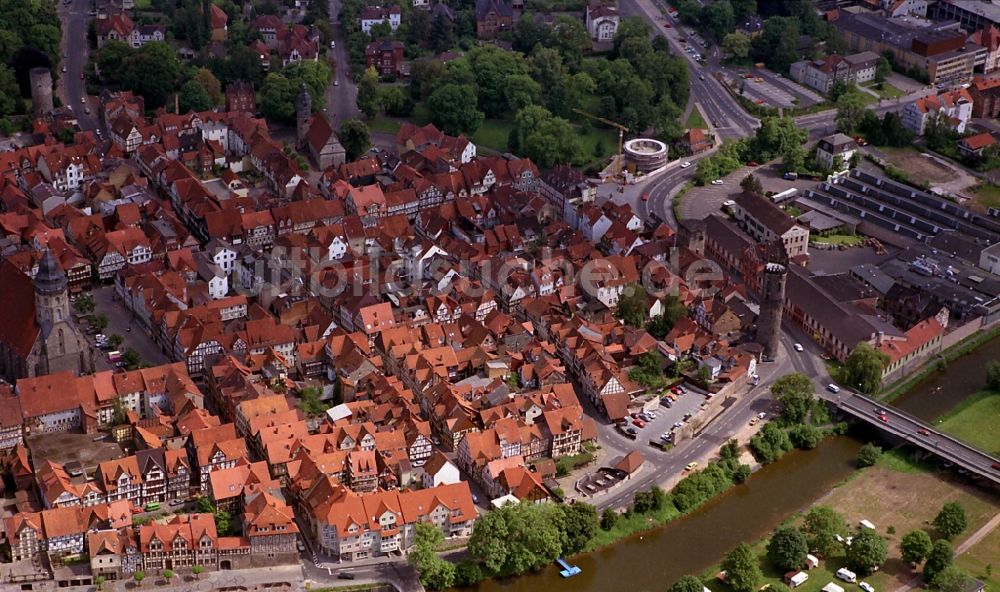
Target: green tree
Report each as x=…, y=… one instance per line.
x=650, y=500
x=736, y=45
x=821, y=526
x=99, y=582
x=139, y=576
x=435, y=572
x=453, y=109
x=686, y=584
x=10, y=99
x=115, y=340
x=993, y=376
x=468, y=573
x=152, y=71
x=805, y=436
x=951, y=520
x=867, y=552
x=938, y=559
x=196, y=570
x=492, y=68
x=787, y=548
x=609, y=517
x=309, y=401
x=632, y=306
x=211, y=84
x=545, y=139
x=579, y=524
x=795, y=393
x=520, y=91
x=354, y=137
x=752, y=183
x=850, y=111
x=442, y=36
x=770, y=444
x=84, y=304
x=868, y=455
x=863, y=369
x=882, y=70
x=673, y=311
x=194, y=96
x=369, y=95
x=717, y=19
x=168, y=574
x=396, y=102
x=742, y=569
x=516, y=538
x=952, y=579
x=915, y=546
x=99, y=322
x=277, y=98
x=315, y=74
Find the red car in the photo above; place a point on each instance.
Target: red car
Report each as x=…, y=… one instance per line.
x=924, y=432
x=638, y=423
x=748, y=75
x=760, y=101
x=752, y=163
x=645, y=197
x=884, y=418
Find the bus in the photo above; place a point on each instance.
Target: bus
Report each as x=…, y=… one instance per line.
x=152, y=506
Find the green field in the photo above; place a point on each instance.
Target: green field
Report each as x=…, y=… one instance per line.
x=493, y=134
x=987, y=196
x=695, y=121
x=898, y=495
x=983, y=560
x=838, y=239
x=384, y=125
x=974, y=421
x=888, y=91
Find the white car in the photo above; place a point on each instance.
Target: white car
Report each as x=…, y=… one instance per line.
x=717, y=182
x=685, y=164
x=833, y=388
x=728, y=203
x=798, y=347
x=866, y=587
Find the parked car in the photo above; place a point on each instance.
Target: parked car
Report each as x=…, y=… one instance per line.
x=691, y=466
x=754, y=421
x=666, y=402
x=345, y=576
x=762, y=415
x=847, y=575
x=631, y=432
x=728, y=203
x=685, y=164
x=798, y=347
x=645, y=197
x=866, y=587
x=176, y=502
x=638, y=423
x=717, y=182
x=833, y=388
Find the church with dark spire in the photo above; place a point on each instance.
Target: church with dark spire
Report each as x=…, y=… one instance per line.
x=37, y=332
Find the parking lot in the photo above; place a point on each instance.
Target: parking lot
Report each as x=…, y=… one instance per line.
x=666, y=418
x=767, y=88
x=701, y=202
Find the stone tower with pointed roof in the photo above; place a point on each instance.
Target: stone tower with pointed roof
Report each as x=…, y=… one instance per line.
x=61, y=345
x=303, y=112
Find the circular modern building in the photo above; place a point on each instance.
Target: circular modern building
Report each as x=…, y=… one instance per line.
x=646, y=154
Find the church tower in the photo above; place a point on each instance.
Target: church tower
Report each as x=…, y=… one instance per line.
x=303, y=111
x=63, y=347
x=51, y=294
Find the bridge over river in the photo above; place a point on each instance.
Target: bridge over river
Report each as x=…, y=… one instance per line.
x=918, y=433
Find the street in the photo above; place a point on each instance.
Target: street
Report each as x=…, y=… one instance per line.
x=75, y=17
x=342, y=94
x=120, y=321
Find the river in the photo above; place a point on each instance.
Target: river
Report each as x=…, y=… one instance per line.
x=653, y=560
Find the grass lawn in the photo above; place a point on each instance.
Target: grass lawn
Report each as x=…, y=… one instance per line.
x=984, y=553
x=635, y=523
x=987, y=196
x=493, y=134
x=896, y=493
x=974, y=421
x=695, y=120
x=888, y=91
x=143, y=4
x=384, y=125
x=839, y=239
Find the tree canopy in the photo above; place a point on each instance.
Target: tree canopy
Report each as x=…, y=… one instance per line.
x=951, y=520
x=545, y=139
x=795, y=393
x=938, y=559
x=787, y=548
x=863, y=369
x=822, y=525
x=868, y=455
x=867, y=552
x=915, y=546
x=742, y=569
x=686, y=584
x=517, y=538
x=453, y=109
x=354, y=137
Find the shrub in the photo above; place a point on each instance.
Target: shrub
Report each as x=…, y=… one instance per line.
x=868, y=455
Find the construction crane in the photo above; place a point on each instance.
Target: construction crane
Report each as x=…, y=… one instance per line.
x=621, y=136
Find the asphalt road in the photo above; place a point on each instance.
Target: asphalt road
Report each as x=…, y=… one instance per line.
x=342, y=94
x=701, y=448
x=725, y=113
x=75, y=17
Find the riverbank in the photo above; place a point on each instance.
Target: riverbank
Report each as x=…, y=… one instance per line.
x=898, y=496
x=974, y=421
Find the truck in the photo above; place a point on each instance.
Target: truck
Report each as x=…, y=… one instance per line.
x=114, y=356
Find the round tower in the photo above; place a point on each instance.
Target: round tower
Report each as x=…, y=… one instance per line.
x=51, y=297
x=303, y=111
x=771, y=306
x=41, y=90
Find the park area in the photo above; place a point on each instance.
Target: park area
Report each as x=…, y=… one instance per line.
x=974, y=421
x=982, y=560
x=984, y=197
x=898, y=495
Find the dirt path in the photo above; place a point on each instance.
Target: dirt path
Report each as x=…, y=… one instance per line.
x=962, y=548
